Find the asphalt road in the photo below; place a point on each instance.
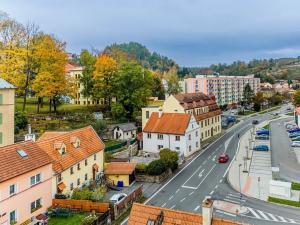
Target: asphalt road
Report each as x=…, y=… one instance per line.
x=283, y=155
x=204, y=177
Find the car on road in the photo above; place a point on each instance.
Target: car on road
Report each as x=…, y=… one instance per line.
x=262, y=137
x=255, y=122
x=261, y=148
x=296, y=144
x=117, y=198
x=223, y=158
x=295, y=134
x=293, y=130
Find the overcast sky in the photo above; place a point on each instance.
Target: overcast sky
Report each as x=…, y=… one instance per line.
x=192, y=32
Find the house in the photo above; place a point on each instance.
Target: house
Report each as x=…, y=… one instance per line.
x=120, y=173
x=124, y=131
x=176, y=131
x=151, y=215
x=78, y=157
x=203, y=107
x=25, y=182
x=7, y=113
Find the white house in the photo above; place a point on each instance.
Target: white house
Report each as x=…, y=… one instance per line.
x=176, y=131
x=125, y=131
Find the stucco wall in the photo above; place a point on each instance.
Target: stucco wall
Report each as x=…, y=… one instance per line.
x=116, y=178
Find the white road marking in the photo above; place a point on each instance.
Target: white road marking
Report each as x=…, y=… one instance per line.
x=191, y=176
x=216, y=186
x=200, y=174
x=232, y=159
x=262, y=214
x=163, y=205
x=189, y=187
x=182, y=200
x=171, y=197
x=214, y=158
x=206, y=175
x=226, y=213
x=281, y=218
x=173, y=207
x=195, y=209
x=211, y=192
x=236, y=195
x=232, y=201
x=292, y=221
x=221, y=180
x=236, y=198
x=191, y=193
x=272, y=216
x=227, y=142
x=254, y=213
x=177, y=190
x=204, y=162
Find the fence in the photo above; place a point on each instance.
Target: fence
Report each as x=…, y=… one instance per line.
x=119, y=145
x=81, y=205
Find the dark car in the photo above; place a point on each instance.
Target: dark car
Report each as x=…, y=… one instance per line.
x=255, y=122
x=262, y=137
x=293, y=130
x=263, y=148
x=223, y=158
x=260, y=132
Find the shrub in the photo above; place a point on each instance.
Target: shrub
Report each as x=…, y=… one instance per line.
x=141, y=168
x=170, y=158
x=60, y=196
x=84, y=194
x=284, y=201
x=156, y=167
x=88, y=220
x=296, y=186
x=20, y=121
x=98, y=194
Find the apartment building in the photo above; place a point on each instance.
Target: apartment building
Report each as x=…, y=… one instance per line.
x=7, y=113
x=226, y=89
x=78, y=158
x=25, y=183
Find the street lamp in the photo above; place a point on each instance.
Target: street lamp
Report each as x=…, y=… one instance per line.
x=240, y=185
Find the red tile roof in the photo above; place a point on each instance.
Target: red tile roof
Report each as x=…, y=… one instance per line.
x=71, y=67
x=116, y=168
x=297, y=110
x=140, y=214
x=50, y=134
x=13, y=165
x=90, y=143
x=168, y=123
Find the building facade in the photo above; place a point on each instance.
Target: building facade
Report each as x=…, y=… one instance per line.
x=125, y=131
x=176, y=131
x=25, y=183
x=78, y=158
x=226, y=89
x=7, y=113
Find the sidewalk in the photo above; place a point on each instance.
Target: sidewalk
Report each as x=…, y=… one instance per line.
x=251, y=179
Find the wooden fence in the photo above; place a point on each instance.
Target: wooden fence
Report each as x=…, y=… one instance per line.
x=81, y=205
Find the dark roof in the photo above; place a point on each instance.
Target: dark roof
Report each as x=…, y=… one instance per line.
x=126, y=126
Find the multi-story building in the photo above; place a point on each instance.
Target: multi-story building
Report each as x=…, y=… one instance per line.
x=226, y=89
x=78, y=157
x=201, y=106
x=7, y=113
x=176, y=131
x=25, y=183
x=75, y=72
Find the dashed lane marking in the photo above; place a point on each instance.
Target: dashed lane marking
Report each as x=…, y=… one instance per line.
x=171, y=197
x=182, y=200
x=195, y=209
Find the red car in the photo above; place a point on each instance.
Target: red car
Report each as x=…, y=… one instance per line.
x=223, y=158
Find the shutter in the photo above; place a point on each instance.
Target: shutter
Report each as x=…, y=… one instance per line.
x=0, y=137
x=1, y=99
x=0, y=118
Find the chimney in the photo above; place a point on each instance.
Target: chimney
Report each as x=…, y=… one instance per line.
x=207, y=211
x=30, y=136
x=160, y=112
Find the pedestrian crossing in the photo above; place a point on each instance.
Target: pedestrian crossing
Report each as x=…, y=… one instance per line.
x=235, y=198
x=256, y=213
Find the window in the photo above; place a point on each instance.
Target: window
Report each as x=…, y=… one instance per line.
x=205, y=122
x=13, y=216
x=190, y=137
x=177, y=138
x=86, y=176
x=177, y=148
x=12, y=189
x=190, y=148
x=151, y=222
x=71, y=186
x=35, y=179
x=35, y=205
x=196, y=133
x=71, y=170
x=147, y=114
x=201, y=123
x=86, y=162
x=78, y=181
x=202, y=135
x=197, y=145
x=63, y=150
x=148, y=135
x=78, y=166
x=95, y=157
x=59, y=178
x=160, y=147
x=160, y=136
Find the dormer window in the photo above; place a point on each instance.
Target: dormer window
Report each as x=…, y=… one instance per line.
x=61, y=147
x=75, y=141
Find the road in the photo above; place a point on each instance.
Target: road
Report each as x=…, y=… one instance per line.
x=283, y=155
x=204, y=177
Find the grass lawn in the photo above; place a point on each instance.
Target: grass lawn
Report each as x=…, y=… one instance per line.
x=270, y=110
x=111, y=142
x=246, y=112
x=266, y=126
x=296, y=186
x=71, y=220
x=290, y=114
x=156, y=103
x=284, y=201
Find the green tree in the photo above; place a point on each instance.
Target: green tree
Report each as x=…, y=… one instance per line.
x=296, y=99
x=172, y=80
x=170, y=158
x=156, y=167
x=248, y=94
x=258, y=100
x=157, y=88
x=100, y=127
x=276, y=99
x=87, y=60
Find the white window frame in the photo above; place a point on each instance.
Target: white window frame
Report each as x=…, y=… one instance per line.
x=15, y=189
x=35, y=179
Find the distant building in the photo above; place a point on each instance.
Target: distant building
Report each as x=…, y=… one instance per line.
x=25, y=183
x=7, y=113
x=124, y=131
x=176, y=131
x=120, y=173
x=227, y=90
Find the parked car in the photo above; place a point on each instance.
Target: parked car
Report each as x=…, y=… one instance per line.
x=117, y=198
x=261, y=148
x=260, y=132
x=223, y=158
x=295, y=134
x=255, y=122
x=293, y=130
x=296, y=144
x=290, y=126
x=296, y=138
x=262, y=137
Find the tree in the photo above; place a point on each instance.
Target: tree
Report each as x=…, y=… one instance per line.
x=172, y=80
x=258, y=100
x=247, y=94
x=276, y=99
x=100, y=127
x=87, y=60
x=296, y=99
x=157, y=87
x=105, y=76
x=156, y=167
x=170, y=158
x=133, y=88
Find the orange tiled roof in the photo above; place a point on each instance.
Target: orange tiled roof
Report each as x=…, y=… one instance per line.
x=90, y=143
x=168, y=123
x=50, y=134
x=297, y=110
x=196, y=100
x=13, y=165
x=140, y=214
x=71, y=67
x=116, y=168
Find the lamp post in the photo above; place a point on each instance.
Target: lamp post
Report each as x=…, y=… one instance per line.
x=240, y=185
x=247, y=153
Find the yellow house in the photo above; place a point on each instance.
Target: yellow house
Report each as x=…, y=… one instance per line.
x=78, y=158
x=120, y=173
x=204, y=108
x=7, y=113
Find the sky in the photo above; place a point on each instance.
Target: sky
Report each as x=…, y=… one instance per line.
x=192, y=32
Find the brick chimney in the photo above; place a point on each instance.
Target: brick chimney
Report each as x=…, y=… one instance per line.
x=207, y=211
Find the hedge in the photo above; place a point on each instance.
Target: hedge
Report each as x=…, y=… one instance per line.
x=296, y=186
x=284, y=201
